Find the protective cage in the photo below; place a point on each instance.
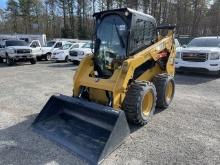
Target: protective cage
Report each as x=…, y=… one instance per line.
x=141, y=28
x=90, y=130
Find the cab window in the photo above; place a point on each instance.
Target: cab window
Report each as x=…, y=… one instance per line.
x=35, y=44
x=58, y=45
x=143, y=35
x=2, y=45
x=76, y=46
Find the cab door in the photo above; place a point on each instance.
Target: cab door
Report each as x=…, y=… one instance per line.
x=57, y=46
x=36, y=48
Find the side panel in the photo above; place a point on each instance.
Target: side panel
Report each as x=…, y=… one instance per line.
x=118, y=83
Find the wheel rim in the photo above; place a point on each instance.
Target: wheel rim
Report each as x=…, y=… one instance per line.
x=48, y=57
x=147, y=103
x=169, y=91
x=7, y=60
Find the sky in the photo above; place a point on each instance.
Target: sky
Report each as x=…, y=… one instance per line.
x=3, y=4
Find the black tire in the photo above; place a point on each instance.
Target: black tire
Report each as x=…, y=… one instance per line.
x=9, y=61
x=75, y=62
x=48, y=57
x=1, y=60
x=33, y=61
x=39, y=58
x=66, y=59
x=161, y=83
x=133, y=102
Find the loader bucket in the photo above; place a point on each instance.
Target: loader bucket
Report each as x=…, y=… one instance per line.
x=90, y=130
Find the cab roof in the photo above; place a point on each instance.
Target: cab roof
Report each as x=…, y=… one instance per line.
x=131, y=11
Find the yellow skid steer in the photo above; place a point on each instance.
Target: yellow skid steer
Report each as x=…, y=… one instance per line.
x=130, y=73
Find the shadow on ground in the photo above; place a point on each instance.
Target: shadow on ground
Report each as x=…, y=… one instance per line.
x=134, y=127
x=194, y=78
x=20, y=145
x=17, y=64
x=62, y=65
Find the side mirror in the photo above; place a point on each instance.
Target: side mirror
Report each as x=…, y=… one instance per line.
x=33, y=46
x=184, y=46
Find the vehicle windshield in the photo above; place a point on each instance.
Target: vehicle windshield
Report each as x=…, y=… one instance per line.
x=16, y=43
x=177, y=43
x=204, y=42
x=87, y=45
x=50, y=43
x=111, y=41
x=66, y=46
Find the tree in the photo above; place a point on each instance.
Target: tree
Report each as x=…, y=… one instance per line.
x=73, y=18
x=25, y=8
x=13, y=9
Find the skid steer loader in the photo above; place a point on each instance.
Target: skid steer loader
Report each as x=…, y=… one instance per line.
x=130, y=73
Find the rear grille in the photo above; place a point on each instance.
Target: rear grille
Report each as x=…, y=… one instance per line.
x=73, y=53
x=195, y=57
x=23, y=51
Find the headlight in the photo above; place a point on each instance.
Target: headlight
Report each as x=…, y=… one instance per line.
x=11, y=51
x=81, y=53
x=178, y=54
x=214, y=56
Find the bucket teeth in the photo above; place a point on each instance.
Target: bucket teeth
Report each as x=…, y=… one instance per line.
x=90, y=130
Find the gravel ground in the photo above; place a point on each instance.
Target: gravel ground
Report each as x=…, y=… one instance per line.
x=188, y=132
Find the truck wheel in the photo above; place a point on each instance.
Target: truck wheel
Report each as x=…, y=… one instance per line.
x=1, y=60
x=33, y=60
x=165, y=87
x=140, y=101
x=39, y=58
x=9, y=61
x=48, y=57
x=66, y=59
x=75, y=62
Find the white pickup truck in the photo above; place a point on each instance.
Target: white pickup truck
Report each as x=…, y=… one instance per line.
x=77, y=54
x=48, y=50
x=16, y=50
x=202, y=54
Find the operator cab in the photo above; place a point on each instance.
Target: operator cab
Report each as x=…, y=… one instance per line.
x=120, y=33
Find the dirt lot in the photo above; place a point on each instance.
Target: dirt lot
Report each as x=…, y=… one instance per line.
x=186, y=133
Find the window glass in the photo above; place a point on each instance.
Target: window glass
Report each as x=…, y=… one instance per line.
x=143, y=35
x=75, y=46
x=50, y=43
x=87, y=45
x=205, y=42
x=110, y=42
x=58, y=45
x=15, y=43
x=177, y=43
x=1, y=45
x=35, y=44
x=66, y=46
x=25, y=39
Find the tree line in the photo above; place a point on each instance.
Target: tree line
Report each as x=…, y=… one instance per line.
x=73, y=18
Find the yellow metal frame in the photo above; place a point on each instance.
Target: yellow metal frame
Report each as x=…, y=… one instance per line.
x=117, y=84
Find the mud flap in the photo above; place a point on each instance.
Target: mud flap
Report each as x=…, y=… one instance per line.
x=90, y=130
